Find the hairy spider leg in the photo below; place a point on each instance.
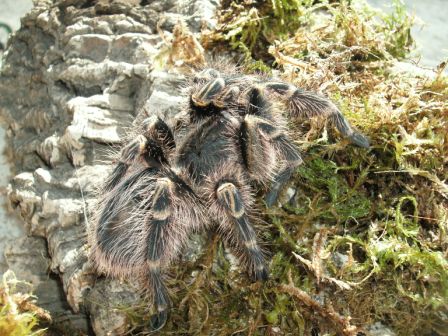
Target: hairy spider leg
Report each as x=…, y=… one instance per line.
x=257, y=152
x=158, y=219
x=230, y=198
x=148, y=192
x=128, y=155
x=305, y=104
x=292, y=161
x=107, y=233
x=155, y=134
x=129, y=194
x=259, y=138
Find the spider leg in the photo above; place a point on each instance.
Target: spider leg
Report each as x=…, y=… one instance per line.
x=174, y=212
x=129, y=153
x=263, y=144
x=155, y=134
x=158, y=222
x=115, y=204
x=230, y=198
x=138, y=228
x=306, y=104
x=143, y=223
x=258, y=102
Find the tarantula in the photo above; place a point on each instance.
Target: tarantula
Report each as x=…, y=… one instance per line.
x=201, y=171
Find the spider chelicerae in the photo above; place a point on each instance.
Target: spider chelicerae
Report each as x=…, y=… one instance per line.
x=201, y=171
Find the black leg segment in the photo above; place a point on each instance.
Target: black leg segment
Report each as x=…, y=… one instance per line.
x=157, y=221
x=230, y=198
x=346, y=130
x=258, y=103
x=292, y=160
x=108, y=231
x=261, y=141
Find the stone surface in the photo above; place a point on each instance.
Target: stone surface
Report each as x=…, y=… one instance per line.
x=378, y=329
x=74, y=78
x=29, y=259
x=107, y=304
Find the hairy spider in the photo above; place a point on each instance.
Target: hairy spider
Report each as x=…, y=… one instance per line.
x=201, y=171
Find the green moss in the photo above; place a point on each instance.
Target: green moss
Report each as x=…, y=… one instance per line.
x=252, y=28
x=407, y=272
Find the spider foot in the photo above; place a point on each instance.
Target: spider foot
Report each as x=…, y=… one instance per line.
x=359, y=140
x=261, y=274
x=272, y=196
x=158, y=321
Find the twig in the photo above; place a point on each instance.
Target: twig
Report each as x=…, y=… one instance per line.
x=342, y=323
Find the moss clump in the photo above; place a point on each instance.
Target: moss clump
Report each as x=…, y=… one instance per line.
x=19, y=316
x=253, y=27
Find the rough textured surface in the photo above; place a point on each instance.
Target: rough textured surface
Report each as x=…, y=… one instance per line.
x=74, y=78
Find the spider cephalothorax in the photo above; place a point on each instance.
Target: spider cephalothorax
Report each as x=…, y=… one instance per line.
x=200, y=171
